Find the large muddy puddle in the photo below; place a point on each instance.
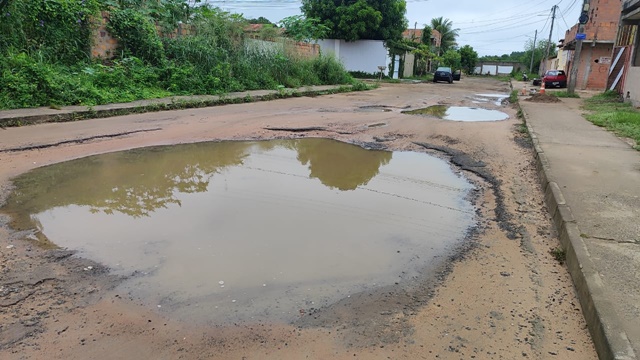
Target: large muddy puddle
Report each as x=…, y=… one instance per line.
x=249, y=231
x=460, y=113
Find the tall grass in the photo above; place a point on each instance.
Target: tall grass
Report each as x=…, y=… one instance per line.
x=214, y=59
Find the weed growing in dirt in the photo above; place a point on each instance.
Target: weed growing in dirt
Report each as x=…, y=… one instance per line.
x=513, y=97
x=522, y=128
x=559, y=254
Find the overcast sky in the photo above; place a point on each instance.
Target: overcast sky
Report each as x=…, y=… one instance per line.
x=491, y=27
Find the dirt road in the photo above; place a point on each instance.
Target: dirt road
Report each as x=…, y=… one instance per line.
x=504, y=297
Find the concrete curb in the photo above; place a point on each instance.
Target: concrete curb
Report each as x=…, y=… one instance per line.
x=607, y=333
x=21, y=117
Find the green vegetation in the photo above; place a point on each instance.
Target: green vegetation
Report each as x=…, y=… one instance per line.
x=564, y=94
x=513, y=97
x=468, y=59
x=45, y=54
x=91, y=113
x=620, y=117
x=359, y=19
x=448, y=33
x=559, y=254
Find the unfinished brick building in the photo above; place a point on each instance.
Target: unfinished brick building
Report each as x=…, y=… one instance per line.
x=601, y=31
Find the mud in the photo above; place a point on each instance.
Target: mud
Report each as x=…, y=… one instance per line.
x=502, y=297
x=543, y=98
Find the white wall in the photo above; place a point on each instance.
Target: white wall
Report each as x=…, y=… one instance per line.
x=361, y=55
x=632, y=85
x=505, y=70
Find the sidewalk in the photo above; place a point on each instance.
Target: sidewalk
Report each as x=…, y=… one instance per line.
x=21, y=117
x=592, y=185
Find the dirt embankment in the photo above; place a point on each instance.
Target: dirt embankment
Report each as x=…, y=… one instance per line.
x=503, y=297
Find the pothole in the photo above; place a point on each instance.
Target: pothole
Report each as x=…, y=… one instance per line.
x=230, y=232
x=460, y=113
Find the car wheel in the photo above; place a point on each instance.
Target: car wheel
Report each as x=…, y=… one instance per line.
x=450, y=81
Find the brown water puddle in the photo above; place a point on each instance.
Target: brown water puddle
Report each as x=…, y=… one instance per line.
x=460, y=113
x=249, y=231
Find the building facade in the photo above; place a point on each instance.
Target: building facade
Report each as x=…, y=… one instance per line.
x=601, y=33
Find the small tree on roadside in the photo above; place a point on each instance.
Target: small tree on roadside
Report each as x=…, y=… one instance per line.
x=452, y=59
x=468, y=59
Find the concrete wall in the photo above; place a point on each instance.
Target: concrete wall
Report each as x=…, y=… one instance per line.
x=409, y=63
x=563, y=56
x=632, y=85
x=361, y=55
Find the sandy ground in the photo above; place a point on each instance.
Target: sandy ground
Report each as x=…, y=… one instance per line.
x=505, y=297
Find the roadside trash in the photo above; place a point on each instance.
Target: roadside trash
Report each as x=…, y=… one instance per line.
x=221, y=282
x=233, y=300
x=10, y=246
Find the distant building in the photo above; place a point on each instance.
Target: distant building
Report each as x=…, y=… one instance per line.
x=416, y=36
x=600, y=31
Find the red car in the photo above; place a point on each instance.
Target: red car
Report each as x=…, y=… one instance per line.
x=555, y=78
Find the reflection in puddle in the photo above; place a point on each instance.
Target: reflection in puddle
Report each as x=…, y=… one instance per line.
x=460, y=113
x=248, y=231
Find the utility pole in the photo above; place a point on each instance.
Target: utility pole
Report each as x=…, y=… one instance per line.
x=575, y=63
x=546, y=56
x=533, y=51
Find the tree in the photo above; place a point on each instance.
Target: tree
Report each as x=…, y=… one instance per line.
x=353, y=20
x=452, y=59
x=260, y=20
x=427, y=35
x=304, y=29
x=423, y=54
x=448, y=33
x=468, y=59
x=538, y=53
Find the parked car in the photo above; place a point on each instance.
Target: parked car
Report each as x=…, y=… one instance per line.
x=555, y=78
x=443, y=74
x=456, y=75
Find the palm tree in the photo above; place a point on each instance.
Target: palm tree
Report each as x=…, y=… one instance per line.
x=449, y=34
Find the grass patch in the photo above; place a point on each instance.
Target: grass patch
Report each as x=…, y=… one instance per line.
x=621, y=118
x=513, y=97
x=564, y=94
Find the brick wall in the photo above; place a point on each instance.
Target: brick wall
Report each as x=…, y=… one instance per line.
x=302, y=50
x=593, y=70
x=104, y=46
x=604, y=17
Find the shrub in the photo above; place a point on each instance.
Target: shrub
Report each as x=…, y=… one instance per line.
x=137, y=35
